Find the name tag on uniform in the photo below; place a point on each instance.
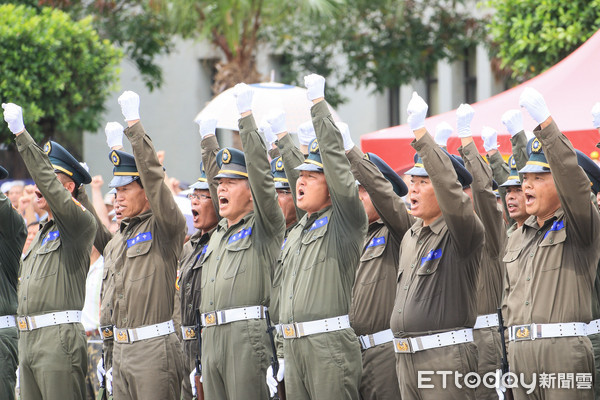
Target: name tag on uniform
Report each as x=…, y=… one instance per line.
x=376, y=242
x=240, y=235
x=50, y=237
x=432, y=255
x=319, y=223
x=142, y=237
x=556, y=226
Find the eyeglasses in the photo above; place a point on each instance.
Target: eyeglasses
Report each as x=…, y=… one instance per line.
x=287, y=192
x=194, y=196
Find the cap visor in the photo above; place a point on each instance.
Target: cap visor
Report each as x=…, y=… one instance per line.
x=511, y=182
x=281, y=185
x=534, y=169
x=309, y=167
x=118, y=181
x=416, y=171
x=199, y=185
x=228, y=175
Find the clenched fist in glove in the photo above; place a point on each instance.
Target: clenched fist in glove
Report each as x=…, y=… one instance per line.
x=464, y=116
x=490, y=138
x=114, y=134
x=534, y=103
x=443, y=131
x=417, y=111
x=276, y=119
x=315, y=85
x=206, y=126
x=271, y=381
x=265, y=128
x=13, y=115
x=243, y=97
x=306, y=133
x=513, y=121
x=130, y=105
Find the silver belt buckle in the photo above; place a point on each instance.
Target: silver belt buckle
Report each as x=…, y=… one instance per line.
x=189, y=333
x=121, y=335
x=209, y=319
x=107, y=332
x=523, y=332
x=289, y=331
x=402, y=345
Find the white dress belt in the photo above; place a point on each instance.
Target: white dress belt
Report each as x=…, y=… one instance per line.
x=300, y=329
x=420, y=343
x=486, y=321
x=541, y=331
x=375, y=339
x=123, y=335
x=232, y=315
x=593, y=327
x=7, y=321
x=29, y=323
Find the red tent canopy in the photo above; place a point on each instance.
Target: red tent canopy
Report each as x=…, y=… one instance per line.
x=570, y=89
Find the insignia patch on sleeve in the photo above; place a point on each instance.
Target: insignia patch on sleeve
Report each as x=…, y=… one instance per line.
x=78, y=203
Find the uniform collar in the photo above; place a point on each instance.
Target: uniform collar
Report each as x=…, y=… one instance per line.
x=223, y=222
x=374, y=226
x=307, y=221
x=132, y=221
x=198, y=237
x=435, y=227
x=531, y=222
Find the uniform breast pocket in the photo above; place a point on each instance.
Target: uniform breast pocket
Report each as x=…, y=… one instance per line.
x=551, y=249
x=430, y=262
x=510, y=260
x=237, y=258
x=143, y=266
x=49, y=259
x=205, y=260
x=372, y=254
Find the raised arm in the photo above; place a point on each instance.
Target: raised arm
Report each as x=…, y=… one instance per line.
x=170, y=221
x=388, y=204
x=13, y=233
x=210, y=148
x=572, y=184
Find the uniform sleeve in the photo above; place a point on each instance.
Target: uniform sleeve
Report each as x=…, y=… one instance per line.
x=388, y=204
x=210, y=148
x=464, y=226
x=169, y=219
x=347, y=207
x=572, y=184
x=519, y=149
x=13, y=233
x=72, y=219
x=269, y=218
x=292, y=157
x=501, y=172
x=103, y=235
x=484, y=200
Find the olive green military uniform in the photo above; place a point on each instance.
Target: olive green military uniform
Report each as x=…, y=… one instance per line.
x=189, y=289
x=437, y=282
x=550, y=275
x=53, y=359
x=375, y=285
x=237, y=272
x=144, y=263
x=12, y=239
x=491, y=272
x=319, y=262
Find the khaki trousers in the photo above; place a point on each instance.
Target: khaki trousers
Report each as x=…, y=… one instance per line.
x=379, y=380
x=9, y=359
x=489, y=351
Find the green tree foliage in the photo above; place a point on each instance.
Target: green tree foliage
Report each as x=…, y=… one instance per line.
x=530, y=36
x=384, y=43
x=236, y=28
x=57, y=69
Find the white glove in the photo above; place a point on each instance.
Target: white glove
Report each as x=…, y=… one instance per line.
x=345, y=131
x=108, y=381
x=276, y=118
x=130, y=105
x=500, y=389
x=13, y=115
x=114, y=134
x=443, y=131
x=490, y=138
x=596, y=115
x=243, y=97
x=315, y=85
x=265, y=128
x=206, y=126
x=417, y=111
x=271, y=382
x=306, y=133
x=534, y=103
x=100, y=372
x=18, y=383
x=513, y=120
x=193, y=381
x=464, y=116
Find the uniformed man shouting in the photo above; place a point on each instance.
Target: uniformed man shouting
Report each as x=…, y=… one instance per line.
x=52, y=342
x=551, y=263
x=436, y=296
x=13, y=234
x=147, y=357
x=321, y=355
x=236, y=268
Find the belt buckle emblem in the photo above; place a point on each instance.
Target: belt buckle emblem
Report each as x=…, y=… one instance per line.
x=402, y=346
x=522, y=333
x=210, y=319
x=107, y=332
x=289, y=331
x=23, y=324
x=122, y=336
x=190, y=333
